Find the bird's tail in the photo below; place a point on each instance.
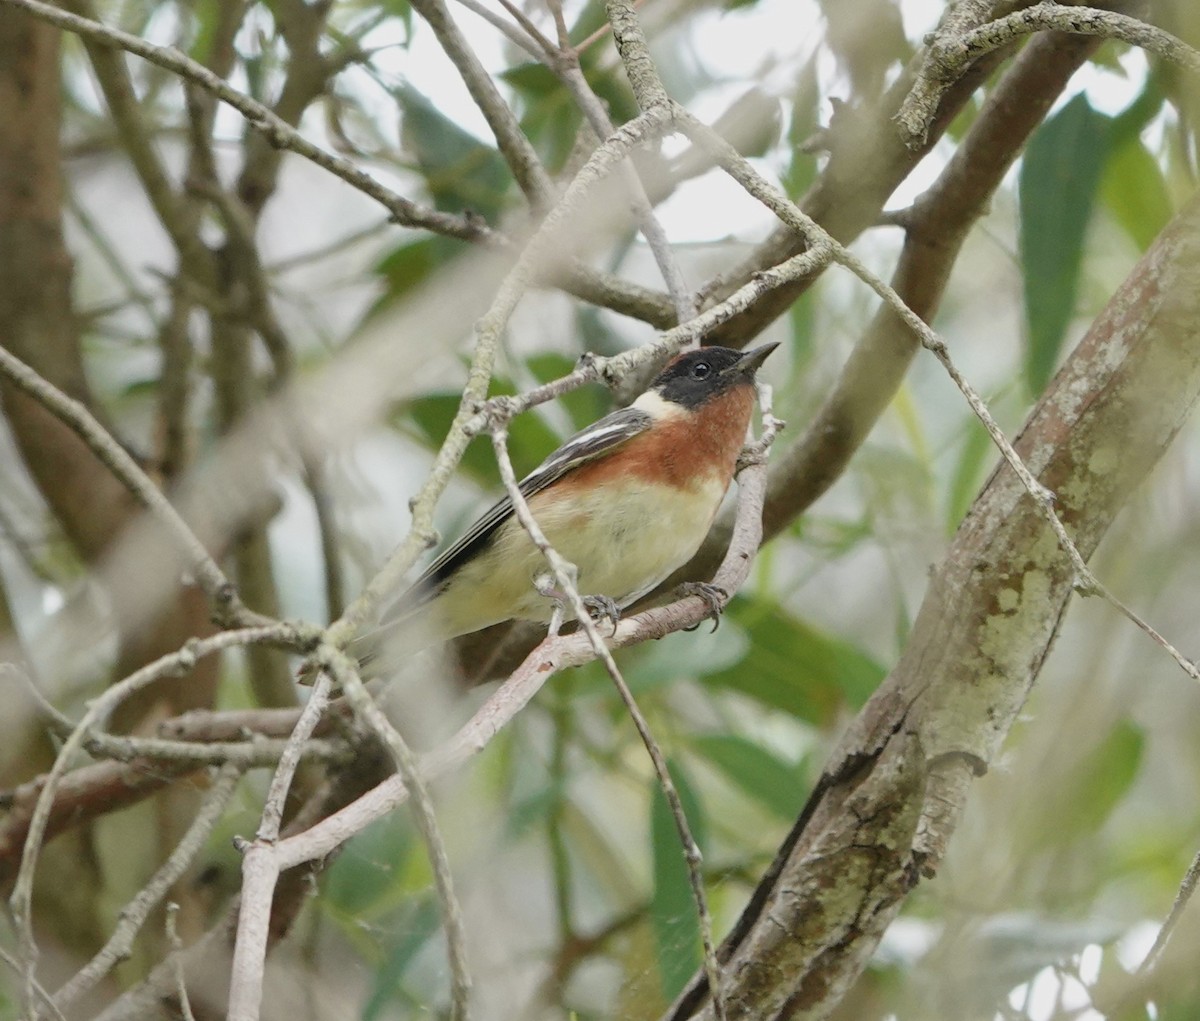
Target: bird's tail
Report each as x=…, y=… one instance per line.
x=383, y=650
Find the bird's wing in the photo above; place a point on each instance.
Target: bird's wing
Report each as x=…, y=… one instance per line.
x=601, y=437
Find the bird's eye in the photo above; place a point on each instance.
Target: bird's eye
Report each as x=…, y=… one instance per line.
x=700, y=370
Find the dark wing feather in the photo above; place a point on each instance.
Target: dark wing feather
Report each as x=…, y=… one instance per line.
x=599, y=438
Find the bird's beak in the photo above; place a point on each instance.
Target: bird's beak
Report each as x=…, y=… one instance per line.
x=748, y=364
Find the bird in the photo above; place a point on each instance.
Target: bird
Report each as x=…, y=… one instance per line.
x=627, y=500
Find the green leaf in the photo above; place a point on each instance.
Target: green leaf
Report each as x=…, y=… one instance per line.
x=526, y=812
x=401, y=9
x=432, y=415
x=549, y=117
x=414, y=932
x=530, y=439
x=672, y=909
x=204, y=28
x=1128, y=124
x=681, y=655
x=1134, y=190
x=407, y=267
x=1083, y=800
x=1105, y=776
x=797, y=668
x=761, y=774
x=585, y=404
x=461, y=172
x=1058, y=181
x=368, y=875
x=805, y=120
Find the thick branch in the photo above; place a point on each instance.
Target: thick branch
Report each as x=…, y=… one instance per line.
x=983, y=631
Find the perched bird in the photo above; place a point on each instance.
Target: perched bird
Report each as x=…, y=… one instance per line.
x=627, y=500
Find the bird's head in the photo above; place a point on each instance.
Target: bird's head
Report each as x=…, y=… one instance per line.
x=696, y=377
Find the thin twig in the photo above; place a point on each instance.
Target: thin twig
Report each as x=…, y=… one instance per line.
x=328, y=249
x=643, y=76
x=1086, y=583
x=134, y=914
x=554, y=654
x=579, y=279
x=592, y=369
x=345, y=673
x=564, y=62
x=261, y=857
x=1182, y=897
x=176, y=945
x=258, y=877
x=174, y=664
x=538, y=253
x=73, y=414
x=277, y=131
x=281, y=782
x=128, y=115
x=951, y=54
x=517, y=150
x=565, y=575
x=259, y=309
x=871, y=375
x=38, y=988
x=514, y=34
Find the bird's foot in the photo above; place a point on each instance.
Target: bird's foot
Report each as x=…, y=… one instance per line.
x=603, y=608
x=600, y=608
x=714, y=598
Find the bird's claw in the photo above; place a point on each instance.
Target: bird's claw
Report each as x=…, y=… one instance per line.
x=603, y=608
x=714, y=598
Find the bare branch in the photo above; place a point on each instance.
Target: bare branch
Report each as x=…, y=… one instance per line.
x=564, y=62
x=579, y=279
x=218, y=588
x=517, y=150
x=635, y=55
x=134, y=914
x=1186, y=890
x=176, y=945
x=937, y=225
x=507, y=28
x=39, y=989
x=175, y=664
x=1085, y=581
x=260, y=868
x=941, y=717
x=565, y=574
x=258, y=878
x=278, y=132
x=951, y=53
x=345, y=674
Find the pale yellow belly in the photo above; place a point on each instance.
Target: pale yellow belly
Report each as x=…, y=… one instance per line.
x=622, y=548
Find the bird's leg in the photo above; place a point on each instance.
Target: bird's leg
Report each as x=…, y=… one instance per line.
x=544, y=584
x=714, y=598
x=600, y=607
